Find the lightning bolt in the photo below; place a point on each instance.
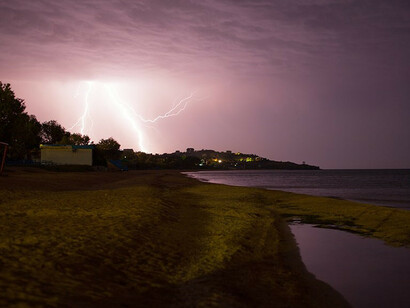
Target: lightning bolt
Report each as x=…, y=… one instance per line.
x=174, y=111
x=129, y=114
x=82, y=120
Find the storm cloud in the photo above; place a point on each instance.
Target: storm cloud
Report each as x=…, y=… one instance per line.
x=325, y=81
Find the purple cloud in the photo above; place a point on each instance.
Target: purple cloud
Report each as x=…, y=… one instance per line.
x=312, y=77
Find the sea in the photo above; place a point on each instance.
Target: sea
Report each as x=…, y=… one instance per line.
x=388, y=187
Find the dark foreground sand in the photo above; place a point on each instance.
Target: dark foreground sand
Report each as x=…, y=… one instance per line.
x=154, y=239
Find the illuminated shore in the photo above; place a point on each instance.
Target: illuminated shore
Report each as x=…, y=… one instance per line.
x=158, y=238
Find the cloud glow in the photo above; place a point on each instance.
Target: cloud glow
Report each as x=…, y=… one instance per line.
x=321, y=81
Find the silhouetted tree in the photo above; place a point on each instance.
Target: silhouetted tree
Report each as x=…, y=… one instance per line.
x=107, y=148
x=11, y=109
x=26, y=137
x=30, y=134
x=108, y=144
x=75, y=139
x=20, y=130
x=52, y=132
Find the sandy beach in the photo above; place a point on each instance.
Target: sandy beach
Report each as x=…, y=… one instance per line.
x=158, y=238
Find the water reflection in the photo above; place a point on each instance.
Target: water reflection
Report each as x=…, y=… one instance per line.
x=365, y=271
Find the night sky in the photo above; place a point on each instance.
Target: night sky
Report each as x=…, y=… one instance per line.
x=321, y=81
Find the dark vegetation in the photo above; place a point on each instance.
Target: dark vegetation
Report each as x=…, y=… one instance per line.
x=24, y=134
x=204, y=159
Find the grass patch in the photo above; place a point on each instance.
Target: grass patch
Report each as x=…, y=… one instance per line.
x=387, y=223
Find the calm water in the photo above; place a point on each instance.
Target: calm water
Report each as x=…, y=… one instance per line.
x=365, y=271
x=381, y=187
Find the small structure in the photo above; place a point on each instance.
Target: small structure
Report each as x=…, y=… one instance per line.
x=115, y=165
x=56, y=154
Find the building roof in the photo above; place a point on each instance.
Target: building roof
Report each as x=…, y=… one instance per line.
x=62, y=146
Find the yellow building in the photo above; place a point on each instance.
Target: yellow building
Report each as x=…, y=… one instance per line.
x=66, y=154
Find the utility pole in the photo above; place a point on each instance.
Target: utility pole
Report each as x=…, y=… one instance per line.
x=4, y=156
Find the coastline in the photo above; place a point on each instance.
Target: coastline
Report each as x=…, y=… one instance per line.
x=356, y=185
x=154, y=238
x=384, y=222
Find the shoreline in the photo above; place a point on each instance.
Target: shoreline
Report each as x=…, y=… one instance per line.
x=394, y=203
x=384, y=222
x=152, y=238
